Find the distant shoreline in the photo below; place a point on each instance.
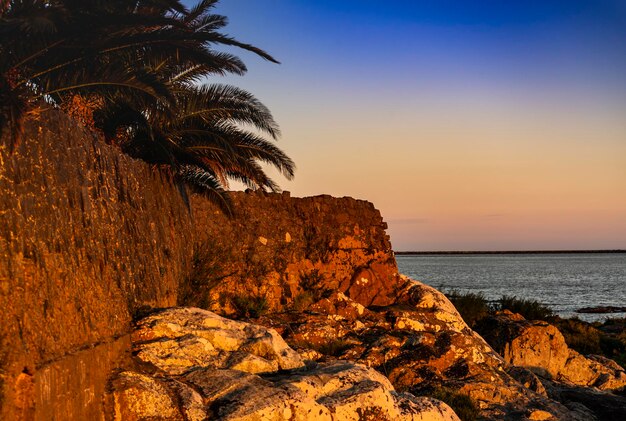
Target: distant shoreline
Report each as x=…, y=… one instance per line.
x=411, y=253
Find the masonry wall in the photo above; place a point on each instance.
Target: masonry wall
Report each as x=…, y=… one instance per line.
x=87, y=237
x=279, y=251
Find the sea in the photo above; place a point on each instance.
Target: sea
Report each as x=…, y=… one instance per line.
x=564, y=282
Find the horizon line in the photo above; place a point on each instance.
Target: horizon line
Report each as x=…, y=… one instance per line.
x=617, y=251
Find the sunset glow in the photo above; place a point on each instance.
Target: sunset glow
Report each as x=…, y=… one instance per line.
x=482, y=127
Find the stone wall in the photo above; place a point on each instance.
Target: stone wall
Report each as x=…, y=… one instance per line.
x=87, y=237
x=278, y=251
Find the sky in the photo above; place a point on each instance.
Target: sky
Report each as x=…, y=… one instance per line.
x=471, y=125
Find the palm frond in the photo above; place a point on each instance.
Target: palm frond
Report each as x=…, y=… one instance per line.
x=206, y=185
x=216, y=103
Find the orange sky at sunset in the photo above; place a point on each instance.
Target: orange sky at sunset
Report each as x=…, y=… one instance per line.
x=495, y=128
x=480, y=179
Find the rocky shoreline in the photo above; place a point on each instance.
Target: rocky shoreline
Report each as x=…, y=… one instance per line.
x=124, y=306
x=389, y=357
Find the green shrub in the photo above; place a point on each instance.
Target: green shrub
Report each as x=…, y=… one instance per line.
x=580, y=336
x=463, y=405
x=207, y=269
x=613, y=340
x=334, y=348
x=310, y=281
x=316, y=244
x=303, y=300
x=472, y=306
x=249, y=306
x=530, y=309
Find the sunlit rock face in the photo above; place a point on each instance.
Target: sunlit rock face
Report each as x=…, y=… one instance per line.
x=323, y=273
x=87, y=237
x=178, y=339
x=418, y=343
x=211, y=367
x=541, y=348
x=542, y=361
x=278, y=250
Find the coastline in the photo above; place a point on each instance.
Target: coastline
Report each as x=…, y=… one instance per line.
x=459, y=252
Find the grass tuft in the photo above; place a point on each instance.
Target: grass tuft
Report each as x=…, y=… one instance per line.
x=530, y=309
x=464, y=406
x=249, y=306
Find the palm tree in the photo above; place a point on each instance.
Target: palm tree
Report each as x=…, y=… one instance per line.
x=51, y=50
x=205, y=142
x=135, y=67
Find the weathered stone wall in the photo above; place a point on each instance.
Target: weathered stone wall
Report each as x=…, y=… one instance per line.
x=87, y=237
x=278, y=251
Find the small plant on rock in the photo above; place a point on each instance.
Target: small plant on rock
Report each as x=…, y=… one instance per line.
x=580, y=336
x=472, y=306
x=207, y=269
x=311, y=281
x=334, y=348
x=303, y=300
x=463, y=405
x=530, y=309
x=249, y=306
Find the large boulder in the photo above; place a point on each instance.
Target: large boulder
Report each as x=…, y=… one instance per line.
x=541, y=348
x=180, y=339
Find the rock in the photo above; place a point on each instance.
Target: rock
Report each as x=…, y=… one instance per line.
x=419, y=342
x=241, y=371
x=279, y=247
x=190, y=401
x=376, y=285
x=338, y=304
x=603, y=405
x=539, y=415
x=602, y=309
x=180, y=339
x=541, y=348
x=137, y=397
x=194, y=387
x=336, y=391
x=528, y=379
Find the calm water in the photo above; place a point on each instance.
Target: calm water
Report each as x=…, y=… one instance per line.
x=564, y=282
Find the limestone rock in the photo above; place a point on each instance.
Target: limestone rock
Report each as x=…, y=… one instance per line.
x=541, y=348
x=337, y=391
x=376, y=285
x=528, y=379
x=191, y=402
x=420, y=341
x=600, y=405
x=237, y=369
x=539, y=415
x=138, y=397
x=292, y=245
x=339, y=304
x=179, y=339
x=209, y=370
x=435, y=304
